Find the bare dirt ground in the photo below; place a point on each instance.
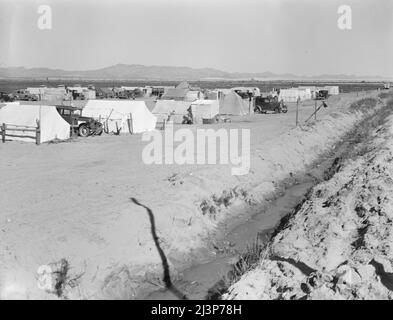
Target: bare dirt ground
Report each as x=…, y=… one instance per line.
x=72, y=201
x=338, y=245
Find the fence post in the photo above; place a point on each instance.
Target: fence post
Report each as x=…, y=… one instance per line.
x=130, y=124
x=297, y=111
x=3, y=128
x=38, y=133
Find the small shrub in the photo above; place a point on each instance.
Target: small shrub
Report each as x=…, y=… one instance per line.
x=363, y=104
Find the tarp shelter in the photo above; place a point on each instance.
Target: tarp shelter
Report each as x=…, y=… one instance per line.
x=204, y=109
x=211, y=94
x=333, y=90
x=193, y=95
x=89, y=94
x=292, y=94
x=116, y=114
x=177, y=109
x=313, y=90
x=175, y=94
x=232, y=104
x=54, y=94
x=39, y=91
x=52, y=125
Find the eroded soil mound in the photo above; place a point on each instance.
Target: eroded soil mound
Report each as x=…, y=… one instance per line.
x=339, y=245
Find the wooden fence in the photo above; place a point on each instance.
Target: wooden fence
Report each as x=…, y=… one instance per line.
x=13, y=131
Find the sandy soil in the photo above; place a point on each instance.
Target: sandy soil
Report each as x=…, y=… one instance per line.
x=339, y=244
x=72, y=201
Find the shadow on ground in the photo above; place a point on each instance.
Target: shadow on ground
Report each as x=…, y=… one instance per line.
x=166, y=276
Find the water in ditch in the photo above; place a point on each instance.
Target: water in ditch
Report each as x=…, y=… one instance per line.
x=198, y=280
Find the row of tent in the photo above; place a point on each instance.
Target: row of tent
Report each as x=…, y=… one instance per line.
x=229, y=104
x=61, y=92
x=116, y=114
x=305, y=93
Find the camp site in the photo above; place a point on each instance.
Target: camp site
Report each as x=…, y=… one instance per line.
x=172, y=150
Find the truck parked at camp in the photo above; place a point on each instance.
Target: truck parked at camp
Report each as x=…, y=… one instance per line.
x=322, y=94
x=5, y=97
x=270, y=103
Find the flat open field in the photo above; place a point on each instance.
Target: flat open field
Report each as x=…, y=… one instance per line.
x=265, y=86
x=72, y=201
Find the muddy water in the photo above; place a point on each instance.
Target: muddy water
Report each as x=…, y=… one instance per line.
x=199, y=279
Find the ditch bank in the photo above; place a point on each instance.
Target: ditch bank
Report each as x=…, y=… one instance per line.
x=337, y=243
x=229, y=240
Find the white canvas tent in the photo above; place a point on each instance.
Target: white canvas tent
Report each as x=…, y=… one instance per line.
x=52, y=125
x=115, y=114
x=292, y=94
x=313, y=90
x=177, y=109
x=333, y=90
x=233, y=104
x=193, y=95
x=204, y=109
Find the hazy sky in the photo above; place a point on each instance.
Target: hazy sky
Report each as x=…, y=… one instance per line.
x=294, y=36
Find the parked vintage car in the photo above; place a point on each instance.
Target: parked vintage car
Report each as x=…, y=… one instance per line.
x=265, y=104
x=23, y=95
x=5, y=97
x=80, y=125
x=322, y=95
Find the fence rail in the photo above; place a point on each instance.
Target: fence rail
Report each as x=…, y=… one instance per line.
x=12, y=128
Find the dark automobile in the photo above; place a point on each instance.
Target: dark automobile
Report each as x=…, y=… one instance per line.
x=265, y=104
x=322, y=95
x=5, y=97
x=83, y=126
x=23, y=95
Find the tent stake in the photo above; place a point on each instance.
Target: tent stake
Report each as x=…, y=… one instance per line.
x=38, y=133
x=3, y=128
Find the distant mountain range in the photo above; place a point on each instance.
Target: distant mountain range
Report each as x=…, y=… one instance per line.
x=141, y=72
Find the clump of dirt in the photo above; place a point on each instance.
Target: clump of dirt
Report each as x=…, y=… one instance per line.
x=213, y=205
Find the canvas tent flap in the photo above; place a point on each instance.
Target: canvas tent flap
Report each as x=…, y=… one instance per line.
x=52, y=125
x=116, y=114
x=204, y=109
x=176, y=94
x=178, y=109
x=233, y=104
x=293, y=94
x=193, y=95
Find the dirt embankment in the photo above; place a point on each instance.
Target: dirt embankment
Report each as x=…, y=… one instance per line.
x=338, y=244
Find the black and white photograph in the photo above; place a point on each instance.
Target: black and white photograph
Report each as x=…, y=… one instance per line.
x=208, y=150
